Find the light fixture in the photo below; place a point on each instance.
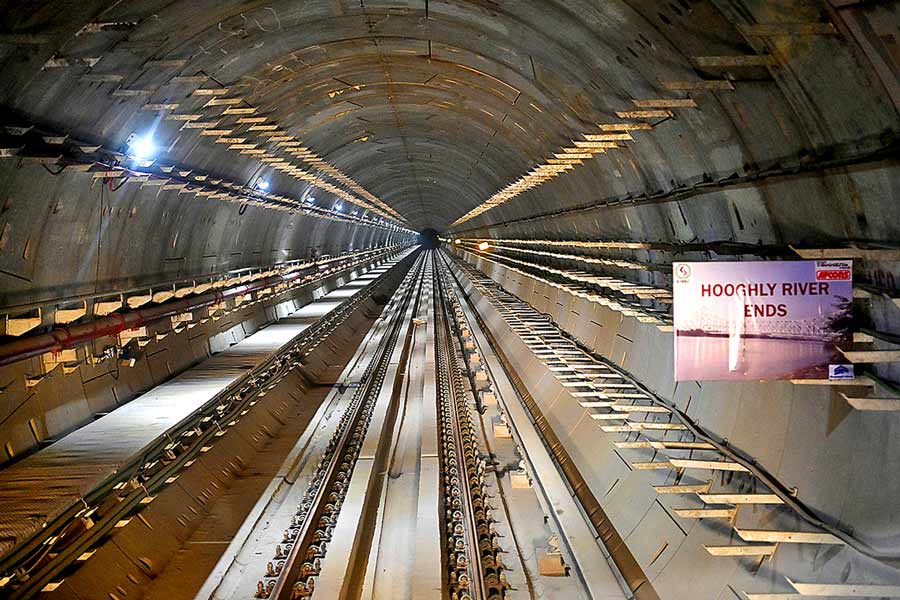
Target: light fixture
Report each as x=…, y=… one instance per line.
x=565, y=159
x=262, y=184
x=142, y=147
x=607, y=137
x=597, y=144
x=338, y=206
x=483, y=246
x=625, y=126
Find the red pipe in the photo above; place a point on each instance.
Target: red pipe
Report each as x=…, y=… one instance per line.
x=64, y=338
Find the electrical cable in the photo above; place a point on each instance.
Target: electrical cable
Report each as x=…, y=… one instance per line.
x=116, y=188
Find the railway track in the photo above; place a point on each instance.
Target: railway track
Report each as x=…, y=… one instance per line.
x=367, y=444
x=473, y=564
x=124, y=476
x=296, y=562
x=399, y=487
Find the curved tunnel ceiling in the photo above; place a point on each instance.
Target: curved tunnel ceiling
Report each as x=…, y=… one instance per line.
x=436, y=106
x=704, y=129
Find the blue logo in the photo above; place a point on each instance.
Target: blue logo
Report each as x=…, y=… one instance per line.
x=841, y=372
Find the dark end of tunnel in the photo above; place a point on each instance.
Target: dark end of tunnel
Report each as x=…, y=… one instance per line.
x=429, y=239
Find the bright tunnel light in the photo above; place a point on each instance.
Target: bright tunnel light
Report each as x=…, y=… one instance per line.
x=483, y=246
x=142, y=147
x=262, y=184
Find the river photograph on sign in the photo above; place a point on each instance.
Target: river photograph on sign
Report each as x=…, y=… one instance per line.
x=762, y=320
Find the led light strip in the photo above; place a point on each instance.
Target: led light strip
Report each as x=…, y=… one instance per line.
x=261, y=127
x=575, y=243
x=568, y=158
x=607, y=262
x=576, y=287
x=192, y=182
x=622, y=286
x=209, y=100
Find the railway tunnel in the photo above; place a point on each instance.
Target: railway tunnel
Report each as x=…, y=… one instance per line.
x=451, y=299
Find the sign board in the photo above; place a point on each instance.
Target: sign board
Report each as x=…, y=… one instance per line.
x=762, y=320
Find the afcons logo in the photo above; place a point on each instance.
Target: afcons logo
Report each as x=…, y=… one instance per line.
x=834, y=270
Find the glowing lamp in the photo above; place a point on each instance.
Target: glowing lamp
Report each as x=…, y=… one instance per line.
x=142, y=147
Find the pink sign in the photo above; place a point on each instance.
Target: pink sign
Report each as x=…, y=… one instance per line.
x=762, y=320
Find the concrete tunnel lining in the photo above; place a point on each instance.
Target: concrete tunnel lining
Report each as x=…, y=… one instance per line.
x=777, y=129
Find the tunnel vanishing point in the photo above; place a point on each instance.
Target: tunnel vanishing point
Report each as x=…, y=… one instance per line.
x=450, y=299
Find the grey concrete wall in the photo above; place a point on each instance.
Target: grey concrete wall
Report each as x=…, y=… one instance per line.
x=827, y=96
x=842, y=464
x=60, y=402
x=484, y=91
x=69, y=235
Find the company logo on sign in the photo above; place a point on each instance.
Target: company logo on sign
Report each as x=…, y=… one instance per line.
x=833, y=270
x=841, y=372
x=683, y=271
x=826, y=275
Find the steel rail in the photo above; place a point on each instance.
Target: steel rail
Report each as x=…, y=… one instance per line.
x=482, y=566
x=448, y=391
x=335, y=469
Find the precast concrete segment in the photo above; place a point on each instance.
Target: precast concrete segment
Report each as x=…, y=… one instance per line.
x=533, y=74
x=46, y=484
x=578, y=542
